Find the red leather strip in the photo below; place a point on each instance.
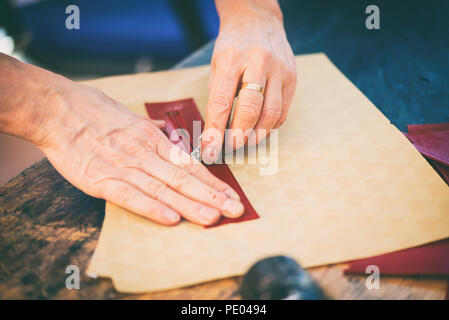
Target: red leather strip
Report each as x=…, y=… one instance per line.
x=430, y=259
x=430, y=127
x=181, y=114
x=433, y=145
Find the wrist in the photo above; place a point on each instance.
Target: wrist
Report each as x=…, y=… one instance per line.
x=27, y=101
x=235, y=13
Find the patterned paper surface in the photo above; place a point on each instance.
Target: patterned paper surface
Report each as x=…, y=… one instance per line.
x=349, y=185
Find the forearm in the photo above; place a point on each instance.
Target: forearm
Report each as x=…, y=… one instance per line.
x=25, y=91
x=238, y=11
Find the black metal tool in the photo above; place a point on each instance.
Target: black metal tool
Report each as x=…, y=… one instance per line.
x=277, y=278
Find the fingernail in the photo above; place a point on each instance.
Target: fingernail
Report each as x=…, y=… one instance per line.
x=208, y=215
x=210, y=155
x=171, y=215
x=232, y=194
x=233, y=208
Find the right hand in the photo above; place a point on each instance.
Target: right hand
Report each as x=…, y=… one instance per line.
x=108, y=152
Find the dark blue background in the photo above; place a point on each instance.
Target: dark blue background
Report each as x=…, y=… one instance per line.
x=403, y=68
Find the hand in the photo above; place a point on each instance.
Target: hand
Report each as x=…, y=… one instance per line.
x=107, y=151
x=251, y=47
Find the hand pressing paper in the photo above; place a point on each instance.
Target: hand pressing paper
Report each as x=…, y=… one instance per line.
x=182, y=114
x=341, y=190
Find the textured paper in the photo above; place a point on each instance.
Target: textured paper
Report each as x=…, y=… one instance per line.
x=341, y=192
x=430, y=259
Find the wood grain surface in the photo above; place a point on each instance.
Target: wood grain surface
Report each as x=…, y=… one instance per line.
x=47, y=224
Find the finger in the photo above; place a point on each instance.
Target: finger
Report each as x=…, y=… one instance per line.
x=271, y=111
x=159, y=123
x=223, y=85
x=132, y=199
x=248, y=109
x=288, y=92
x=176, y=156
x=184, y=183
x=191, y=210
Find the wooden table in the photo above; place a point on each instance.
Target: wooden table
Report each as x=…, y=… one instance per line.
x=47, y=224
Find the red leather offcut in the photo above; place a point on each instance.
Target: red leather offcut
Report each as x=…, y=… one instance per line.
x=431, y=259
x=181, y=114
x=431, y=144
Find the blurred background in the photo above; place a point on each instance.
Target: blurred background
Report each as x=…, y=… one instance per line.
x=403, y=68
x=115, y=37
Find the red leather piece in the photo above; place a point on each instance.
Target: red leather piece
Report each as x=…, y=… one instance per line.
x=181, y=114
x=414, y=132
x=433, y=145
x=430, y=259
x=423, y=128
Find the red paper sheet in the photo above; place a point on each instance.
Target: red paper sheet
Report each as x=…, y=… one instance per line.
x=430, y=259
x=181, y=114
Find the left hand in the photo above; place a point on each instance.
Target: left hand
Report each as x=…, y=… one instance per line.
x=252, y=48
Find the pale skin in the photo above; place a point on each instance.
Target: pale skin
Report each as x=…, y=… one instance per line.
x=251, y=47
x=108, y=152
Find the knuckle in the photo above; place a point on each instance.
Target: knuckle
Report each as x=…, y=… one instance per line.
x=180, y=178
x=120, y=160
x=191, y=166
x=220, y=103
x=225, y=55
x=263, y=55
x=291, y=76
x=123, y=194
x=249, y=107
x=249, y=111
x=153, y=134
x=212, y=217
x=273, y=113
x=155, y=188
x=132, y=148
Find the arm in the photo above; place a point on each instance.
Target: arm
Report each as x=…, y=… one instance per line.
x=107, y=151
x=251, y=47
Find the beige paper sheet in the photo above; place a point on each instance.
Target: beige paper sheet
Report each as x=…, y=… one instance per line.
x=349, y=185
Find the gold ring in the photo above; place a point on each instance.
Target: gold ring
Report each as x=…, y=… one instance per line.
x=253, y=86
